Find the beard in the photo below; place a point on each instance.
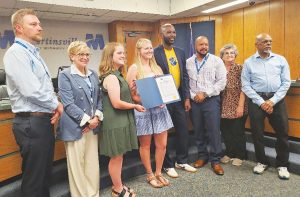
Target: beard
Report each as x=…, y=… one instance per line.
x=167, y=41
x=201, y=53
x=37, y=37
x=267, y=51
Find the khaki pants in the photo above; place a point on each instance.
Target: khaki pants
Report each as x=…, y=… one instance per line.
x=83, y=166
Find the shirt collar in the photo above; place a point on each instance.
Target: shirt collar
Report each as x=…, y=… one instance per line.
x=28, y=45
x=75, y=71
x=195, y=56
x=256, y=55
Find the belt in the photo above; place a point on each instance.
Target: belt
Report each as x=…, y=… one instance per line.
x=36, y=114
x=266, y=94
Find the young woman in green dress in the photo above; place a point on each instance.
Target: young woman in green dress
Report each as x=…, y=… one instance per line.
x=118, y=128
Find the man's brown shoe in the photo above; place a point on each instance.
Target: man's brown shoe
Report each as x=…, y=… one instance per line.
x=217, y=168
x=199, y=163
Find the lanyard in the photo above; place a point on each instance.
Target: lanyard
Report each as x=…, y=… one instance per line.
x=198, y=65
x=89, y=83
x=40, y=60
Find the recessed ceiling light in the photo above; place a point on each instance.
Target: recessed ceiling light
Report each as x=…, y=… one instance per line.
x=220, y=7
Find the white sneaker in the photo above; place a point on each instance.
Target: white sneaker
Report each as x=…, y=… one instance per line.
x=237, y=162
x=171, y=172
x=225, y=159
x=185, y=167
x=283, y=173
x=259, y=168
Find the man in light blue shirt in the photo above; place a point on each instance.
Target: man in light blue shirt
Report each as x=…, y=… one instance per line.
x=266, y=80
x=34, y=103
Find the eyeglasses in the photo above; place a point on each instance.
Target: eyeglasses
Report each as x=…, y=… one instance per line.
x=229, y=53
x=81, y=55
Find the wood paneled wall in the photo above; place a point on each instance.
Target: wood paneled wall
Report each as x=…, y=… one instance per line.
x=116, y=29
x=279, y=18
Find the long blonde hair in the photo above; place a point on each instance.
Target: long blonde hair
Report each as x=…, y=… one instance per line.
x=137, y=60
x=106, y=63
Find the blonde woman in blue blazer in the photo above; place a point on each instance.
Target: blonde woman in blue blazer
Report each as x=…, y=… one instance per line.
x=79, y=91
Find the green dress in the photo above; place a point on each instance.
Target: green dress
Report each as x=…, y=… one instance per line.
x=118, y=131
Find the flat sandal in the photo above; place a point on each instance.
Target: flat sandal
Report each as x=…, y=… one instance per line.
x=151, y=179
x=162, y=179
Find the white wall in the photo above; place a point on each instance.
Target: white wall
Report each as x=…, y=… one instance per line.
x=55, y=55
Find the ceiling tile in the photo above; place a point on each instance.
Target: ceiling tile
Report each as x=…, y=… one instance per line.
x=57, y=15
x=8, y=3
x=35, y=6
x=83, y=17
x=89, y=11
x=105, y=20
x=118, y=14
x=64, y=9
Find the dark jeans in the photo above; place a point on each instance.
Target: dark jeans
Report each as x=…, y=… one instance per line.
x=36, y=139
x=179, y=118
x=279, y=122
x=233, y=133
x=206, y=121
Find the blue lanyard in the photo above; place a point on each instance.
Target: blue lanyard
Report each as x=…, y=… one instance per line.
x=89, y=83
x=198, y=65
x=41, y=61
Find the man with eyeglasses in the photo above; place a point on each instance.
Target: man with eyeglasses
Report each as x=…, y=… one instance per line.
x=172, y=61
x=266, y=80
x=207, y=75
x=33, y=102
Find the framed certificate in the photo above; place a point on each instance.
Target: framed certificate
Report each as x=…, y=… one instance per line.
x=155, y=91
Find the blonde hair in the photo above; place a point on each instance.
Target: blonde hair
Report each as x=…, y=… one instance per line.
x=17, y=17
x=137, y=60
x=106, y=63
x=77, y=47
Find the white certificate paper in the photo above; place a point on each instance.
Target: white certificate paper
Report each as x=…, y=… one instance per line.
x=167, y=88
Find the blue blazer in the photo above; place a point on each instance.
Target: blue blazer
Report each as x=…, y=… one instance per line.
x=161, y=60
x=75, y=96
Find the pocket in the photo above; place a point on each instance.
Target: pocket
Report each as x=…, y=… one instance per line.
x=21, y=127
x=21, y=130
x=40, y=127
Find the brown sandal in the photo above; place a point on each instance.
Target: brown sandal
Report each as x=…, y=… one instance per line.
x=162, y=179
x=151, y=179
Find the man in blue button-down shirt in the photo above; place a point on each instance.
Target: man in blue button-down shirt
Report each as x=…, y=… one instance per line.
x=266, y=80
x=34, y=103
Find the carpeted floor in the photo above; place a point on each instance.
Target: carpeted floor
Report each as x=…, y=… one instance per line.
x=237, y=181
